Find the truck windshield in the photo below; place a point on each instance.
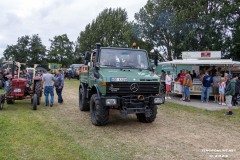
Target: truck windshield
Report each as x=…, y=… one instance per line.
x=123, y=58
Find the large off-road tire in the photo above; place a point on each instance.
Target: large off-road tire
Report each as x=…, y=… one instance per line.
x=142, y=117
x=35, y=98
x=1, y=101
x=83, y=101
x=99, y=113
x=9, y=91
x=38, y=90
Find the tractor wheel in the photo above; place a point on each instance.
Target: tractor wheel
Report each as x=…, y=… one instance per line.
x=10, y=101
x=9, y=91
x=8, y=88
x=83, y=104
x=1, y=84
x=35, y=97
x=38, y=90
x=148, y=117
x=1, y=101
x=99, y=113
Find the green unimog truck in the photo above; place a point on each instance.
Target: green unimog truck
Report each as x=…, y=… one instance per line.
x=118, y=78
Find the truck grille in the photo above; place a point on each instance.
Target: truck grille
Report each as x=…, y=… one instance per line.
x=126, y=88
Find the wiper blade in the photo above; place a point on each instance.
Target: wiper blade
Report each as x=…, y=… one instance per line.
x=108, y=65
x=129, y=66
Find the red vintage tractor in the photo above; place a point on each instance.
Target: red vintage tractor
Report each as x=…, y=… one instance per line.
x=20, y=87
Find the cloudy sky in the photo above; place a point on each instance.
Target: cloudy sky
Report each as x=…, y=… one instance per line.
x=49, y=18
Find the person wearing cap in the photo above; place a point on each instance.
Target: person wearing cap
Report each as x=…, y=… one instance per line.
x=229, y=93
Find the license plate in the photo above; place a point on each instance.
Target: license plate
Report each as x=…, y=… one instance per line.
x=113, y=79
x=17, y=90
x=158, y=100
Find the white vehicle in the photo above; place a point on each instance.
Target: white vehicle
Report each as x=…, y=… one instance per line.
x=195, y=61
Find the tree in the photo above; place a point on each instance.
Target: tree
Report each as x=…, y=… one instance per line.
x=27, y=50
x=78, y=55
x=157, y=26
x=110, y=28
x=10, y=53
x=61, y=50
x=173, y=26
x=37, y=50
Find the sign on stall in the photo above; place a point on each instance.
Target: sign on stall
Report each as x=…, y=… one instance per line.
x=201, y=55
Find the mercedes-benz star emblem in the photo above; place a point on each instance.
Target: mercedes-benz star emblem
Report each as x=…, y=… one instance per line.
x=134, y=87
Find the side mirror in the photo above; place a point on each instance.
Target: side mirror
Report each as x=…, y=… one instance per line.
x=96, y=74
x=87, y=58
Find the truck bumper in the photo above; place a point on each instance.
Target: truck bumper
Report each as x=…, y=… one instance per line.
x=132, y=104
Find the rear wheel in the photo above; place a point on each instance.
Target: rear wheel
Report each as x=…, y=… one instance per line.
x=148, y=117
x=99, y=113
x=35, y=102
x=1, y=84
x=1, y=101
x=38, y=90
x=83, y=102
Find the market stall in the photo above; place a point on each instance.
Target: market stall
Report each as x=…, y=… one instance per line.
x=199, y=61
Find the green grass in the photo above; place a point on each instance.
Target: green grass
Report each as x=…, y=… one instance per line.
x=68, y=134
x=219, y=114
x=26, y=134
x=50, y=133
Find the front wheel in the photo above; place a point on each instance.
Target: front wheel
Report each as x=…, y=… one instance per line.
x=149, y=116
x=99, y=113
x=10, y=101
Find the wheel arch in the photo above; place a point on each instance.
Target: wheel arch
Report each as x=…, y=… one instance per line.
x=95, y=90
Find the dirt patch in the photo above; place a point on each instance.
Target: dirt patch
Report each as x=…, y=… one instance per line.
x=175, y=134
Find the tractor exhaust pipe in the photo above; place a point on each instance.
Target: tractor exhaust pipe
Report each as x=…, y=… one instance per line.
x=13, y=68
x=140, y=97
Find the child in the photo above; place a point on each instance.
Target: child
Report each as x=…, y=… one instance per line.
x=168, y=82
x=222, y=86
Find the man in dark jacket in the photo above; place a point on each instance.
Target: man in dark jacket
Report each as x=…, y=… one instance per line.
x=237, y=89
x=229, y=93
x=206, y=84
x=59, y=83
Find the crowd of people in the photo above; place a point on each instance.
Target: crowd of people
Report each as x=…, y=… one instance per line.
x=49, y=81
x=225, y=86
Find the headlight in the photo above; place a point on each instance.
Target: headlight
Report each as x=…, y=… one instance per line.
x=111, y=102
x=27, y=85
x=158, y=100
